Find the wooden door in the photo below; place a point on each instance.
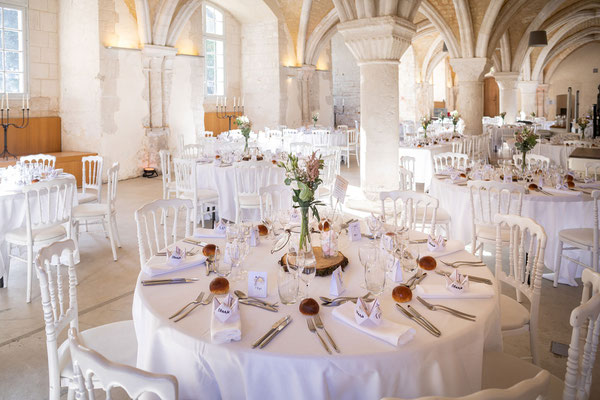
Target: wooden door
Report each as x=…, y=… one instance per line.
x=491, y=97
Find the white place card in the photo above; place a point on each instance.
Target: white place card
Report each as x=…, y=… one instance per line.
x=175, y=257
x=397, y=270
x=354, y=231
x=257, y=284
x=221, y=228
x=226, y=309
x=295, y=216
x=254, y=236
x=340, y=187
x=364, y=312
x=336, y=286
x=507, y=178
x=457, y=283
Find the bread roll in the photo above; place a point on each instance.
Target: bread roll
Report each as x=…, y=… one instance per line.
x=569, y=178
x=262, y=230
x=324, y=225
x=427, y=263
x=309, y=307
x=571, y=184
x=219, y=285
x=402, y=294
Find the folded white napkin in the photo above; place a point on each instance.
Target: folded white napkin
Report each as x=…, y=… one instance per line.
x=208, y=233
x=452, y=246
x=591, y=185
x=566, y=192
x=388, y=331
x=158, y=265
x=440, y=291
x=225, y=332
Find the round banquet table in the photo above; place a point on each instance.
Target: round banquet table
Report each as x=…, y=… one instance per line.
x=557, y=153
x=222, y=179
x=553, y=213
x=423, y=156
x=12, y=216
x=294, y=365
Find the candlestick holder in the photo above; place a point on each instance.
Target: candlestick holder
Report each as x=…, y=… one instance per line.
x=4, y=122
x=336, y=112
x=224, y=113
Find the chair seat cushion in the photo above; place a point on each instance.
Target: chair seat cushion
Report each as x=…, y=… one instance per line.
x=86, y=197
x=488, y=232
x=116, y=341
x=513, y=314
x=582, y=236
x=90, y=210
x=501, y=371
x=250, y=200
x=441, y=217
x=48, y=234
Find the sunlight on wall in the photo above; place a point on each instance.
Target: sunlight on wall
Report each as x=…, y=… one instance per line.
x=439, y=82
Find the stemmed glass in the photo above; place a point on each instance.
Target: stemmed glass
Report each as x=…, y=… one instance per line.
x=268, y=220
x=374, y=272
x=235, y=253
x=375, y=224
x=309, y=270
x=294, y=261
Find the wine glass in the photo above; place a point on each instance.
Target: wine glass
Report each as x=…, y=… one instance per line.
x=245, y=249
x=307, y=274
x=234, y=252
x=268, y=220
x=374, y=224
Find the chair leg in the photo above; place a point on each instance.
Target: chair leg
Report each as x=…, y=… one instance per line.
x=117, y=237
x=533, y=344
x=112, y=239
x=558, y=262
x=29, y=270
x=347, y=158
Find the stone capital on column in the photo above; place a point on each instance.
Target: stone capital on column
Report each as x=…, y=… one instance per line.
x=306, y=71
x=379, y=39
x=528, y=86
x=507, y=80
x=469, y=69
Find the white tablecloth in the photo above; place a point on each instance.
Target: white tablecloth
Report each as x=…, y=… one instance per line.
x=557, y=153
x=222, y=179
x=294, y=365
x=282, y=143
x=553, y=213
x=424, y=168
x=12, y=216
x=498, y=132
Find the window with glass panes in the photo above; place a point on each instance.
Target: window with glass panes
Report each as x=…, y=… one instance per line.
x=214, y=55
x=12, y=62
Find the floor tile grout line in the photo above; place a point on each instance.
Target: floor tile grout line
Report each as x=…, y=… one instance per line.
x=83, y=312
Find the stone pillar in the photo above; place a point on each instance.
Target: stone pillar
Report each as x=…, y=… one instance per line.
x=305, y=73
x=424, y=101
x=507, y=82
x=542, y=100
x=158, y=68
x=528, y=91
x=469, y=103
x=378, y=44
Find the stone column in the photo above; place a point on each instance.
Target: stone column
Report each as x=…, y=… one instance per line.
x=542, y=100
x=528, y=91
x=378, y=44
x=469, y=103
x=424, y=100
x=305, y=73
x=507, y=82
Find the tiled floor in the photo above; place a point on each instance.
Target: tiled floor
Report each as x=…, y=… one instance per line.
x=105, y=295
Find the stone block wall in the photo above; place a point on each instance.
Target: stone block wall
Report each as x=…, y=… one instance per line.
x=346, y=81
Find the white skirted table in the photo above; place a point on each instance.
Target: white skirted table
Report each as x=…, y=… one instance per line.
x=553, y=213
x=295, y=365
x=222, y=179
x=423, y=156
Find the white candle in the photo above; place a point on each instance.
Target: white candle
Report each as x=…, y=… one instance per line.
x=225, y=104
x=23, y=103
x=343, y=102
x=28, y=102
x=7, y=106
x=2, y=108
x=243, y=101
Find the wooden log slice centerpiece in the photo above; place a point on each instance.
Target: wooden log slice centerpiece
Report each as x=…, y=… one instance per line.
x=325, y=266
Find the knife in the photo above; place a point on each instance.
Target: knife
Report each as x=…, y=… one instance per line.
x=151, y=282
x=279, y=329
x=195, y=242
x=266, y=335
x=417, y=320
x=471, y=278
x=259, y=305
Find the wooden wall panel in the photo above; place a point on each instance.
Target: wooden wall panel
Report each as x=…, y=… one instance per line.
x=216, y=125
x=42, y=135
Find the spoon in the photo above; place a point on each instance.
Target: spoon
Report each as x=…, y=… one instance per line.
x=243, y=296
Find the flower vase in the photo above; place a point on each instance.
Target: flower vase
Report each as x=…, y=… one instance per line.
x=305, y=242
x=524, y=162
x=246, y=146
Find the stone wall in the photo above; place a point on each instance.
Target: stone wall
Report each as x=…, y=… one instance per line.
x=406, y=84
x=346, y=81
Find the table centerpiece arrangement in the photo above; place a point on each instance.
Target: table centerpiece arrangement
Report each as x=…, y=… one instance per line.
x=244, y=124
x=582, y=122
x=425, y=121
x=455, y=118
x=525, y=141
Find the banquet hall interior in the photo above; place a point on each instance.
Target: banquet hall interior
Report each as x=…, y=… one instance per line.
x=299, y=199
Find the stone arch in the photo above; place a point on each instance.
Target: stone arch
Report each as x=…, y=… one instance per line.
x=437, y=58
x=505, y=17
x=505, y=52
x=433, y=50
x=589, y=34
x=436, y=19
x=181, y=18
x=465, y=27
x=302, y=29
x=162, y=21
x=142, y=11
x=553, y=23
x=491, y=13
x=555, y=62
x=320, y=36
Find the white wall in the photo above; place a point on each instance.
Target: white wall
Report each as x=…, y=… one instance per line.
x=346, y=81
x=576, y=71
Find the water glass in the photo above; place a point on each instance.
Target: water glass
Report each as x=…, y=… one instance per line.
x=234, y=253
x=287, y=285
x=309, y=270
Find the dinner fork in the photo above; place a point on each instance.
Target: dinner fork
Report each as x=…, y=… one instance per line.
x=320, y=325
x=311, y=327
x=439, y=307
x=203, y=303
x=456, y=264
x=198, y=300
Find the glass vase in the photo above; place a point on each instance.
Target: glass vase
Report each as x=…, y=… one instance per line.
x=524, y=162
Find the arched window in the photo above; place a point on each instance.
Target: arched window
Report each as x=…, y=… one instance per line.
x=214, y=51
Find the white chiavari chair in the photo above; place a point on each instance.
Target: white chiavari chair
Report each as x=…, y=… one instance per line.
x=44, y=160
x=191, y=151
x=89, y=366
x=415, y=211
x=54, y=265
x=592, y=166
x=274, y=198
x=154, y=236
x=342, y=128
x=328, y=174
x=458, y=146
x=334, y=151
x=577, y=143
x=528, y=389
x=537, y=161
x=407, y=181
x=180, y=143
x=444, y=161
x=408, y=163
x=204, y=201
x=48, y=210
x=351, y=147
x=104, y=213
x=301, y=148
x=487, y=200
x=91, y=179
x=168, y=185
x=501, y=370
x=585, y=239
x=249, y=178
x=527, y=244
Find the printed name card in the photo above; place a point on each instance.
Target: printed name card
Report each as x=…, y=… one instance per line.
x=254, y=237
x=227, y=309
x=507, y=178
x=397, y=270
x=354, y=231
x=295, y=217
x=435, y=244
x=175, y=257
x=336, y=286
x=221, y=228
x=257, y=284
x=364, y=312
x=339, y=188
x=457, y=283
